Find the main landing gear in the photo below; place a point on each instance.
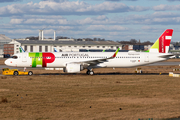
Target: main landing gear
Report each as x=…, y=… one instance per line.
x=90, y=72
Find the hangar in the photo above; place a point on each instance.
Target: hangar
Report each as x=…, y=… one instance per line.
x=61, y=46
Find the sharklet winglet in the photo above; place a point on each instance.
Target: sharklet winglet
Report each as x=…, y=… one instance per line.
x=115, y=53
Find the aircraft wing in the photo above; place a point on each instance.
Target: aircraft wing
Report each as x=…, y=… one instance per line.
x=97, y=61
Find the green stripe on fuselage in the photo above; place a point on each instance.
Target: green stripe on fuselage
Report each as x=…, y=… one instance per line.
x=36, y=59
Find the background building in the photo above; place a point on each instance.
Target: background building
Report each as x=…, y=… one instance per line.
x=3, y=40
x=61, y=46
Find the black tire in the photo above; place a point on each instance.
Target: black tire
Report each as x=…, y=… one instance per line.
x=16, y=73
x=87, y=72
x=30, y=73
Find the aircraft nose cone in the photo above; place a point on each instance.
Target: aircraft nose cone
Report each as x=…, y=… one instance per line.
x=5, y=62
x=8, y=62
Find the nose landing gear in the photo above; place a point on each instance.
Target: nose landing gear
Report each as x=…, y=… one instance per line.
x=24, y=69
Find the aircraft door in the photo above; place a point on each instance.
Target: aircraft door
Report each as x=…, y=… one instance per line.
x=24, y=57
x=146, y=59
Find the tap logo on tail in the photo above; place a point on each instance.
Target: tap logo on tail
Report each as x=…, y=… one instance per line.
x=162, y=44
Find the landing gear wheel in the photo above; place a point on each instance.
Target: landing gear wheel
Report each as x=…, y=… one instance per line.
x=88, y=72
x=91, y=73
x=16, y=73
x=30, y=73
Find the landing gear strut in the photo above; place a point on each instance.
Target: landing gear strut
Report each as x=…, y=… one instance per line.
x=24, y=69
x=90, y=72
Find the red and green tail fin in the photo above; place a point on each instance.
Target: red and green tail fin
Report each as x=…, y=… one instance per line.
x=162, y=44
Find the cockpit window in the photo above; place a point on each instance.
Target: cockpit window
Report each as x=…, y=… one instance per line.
x=14, y=57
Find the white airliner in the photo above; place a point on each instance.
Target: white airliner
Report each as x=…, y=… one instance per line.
x=74, y=62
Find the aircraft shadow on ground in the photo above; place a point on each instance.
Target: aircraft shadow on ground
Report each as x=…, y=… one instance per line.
x=116, y=73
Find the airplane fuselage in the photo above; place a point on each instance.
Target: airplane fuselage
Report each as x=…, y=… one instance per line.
x=61, y=59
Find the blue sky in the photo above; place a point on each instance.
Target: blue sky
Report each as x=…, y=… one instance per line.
x=115, y=20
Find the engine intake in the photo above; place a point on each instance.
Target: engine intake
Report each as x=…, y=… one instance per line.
x=73, y=68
